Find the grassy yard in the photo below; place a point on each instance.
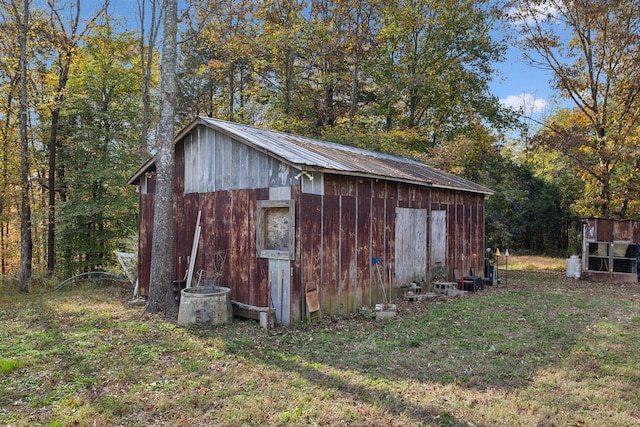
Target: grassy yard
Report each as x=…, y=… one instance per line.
x=542, y=350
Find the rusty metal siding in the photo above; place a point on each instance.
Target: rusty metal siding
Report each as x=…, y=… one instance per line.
x=336, y=237
x=311, y=238
x=330, y=273
x=348, y=260
x=622, y=231
x=145, y=229
x=183, y=232
x=391, y=201
x=340, y=233
x=238, y=252
x=379, y=222
x=228, y=221
x=363, y=239
x=222, y=233
x=604, y=230
x=298, y=308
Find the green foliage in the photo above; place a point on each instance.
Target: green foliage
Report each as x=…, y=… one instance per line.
x=591, y=48
x=99, y=151
x=526, y=212
x=435, y=63
x=597, y=175
x=423, y=66
x=8, y=365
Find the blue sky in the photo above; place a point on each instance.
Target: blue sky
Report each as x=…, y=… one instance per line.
x=522, y=86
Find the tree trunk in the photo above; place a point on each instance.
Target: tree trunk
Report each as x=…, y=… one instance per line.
x=4, y=226
x=161, y=298
x=51, y=225
x=146, y=63
x=26, y=245
x=232, y=83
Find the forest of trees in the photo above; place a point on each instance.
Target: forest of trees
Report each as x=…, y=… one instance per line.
x=80, y=96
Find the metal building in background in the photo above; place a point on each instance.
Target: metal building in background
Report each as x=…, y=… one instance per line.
x=611, y=250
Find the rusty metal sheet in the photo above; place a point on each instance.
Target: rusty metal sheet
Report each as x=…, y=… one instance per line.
x=378, y=248
x=184, y=232
x=239, y=251
x=311, y=237
x=348, y=265
x=622, y=231
x=362, y=293
x=390, y=244
x=330, y=274
x=145, y=231
x=340, y=185
x=604, y=230
x=379, y=189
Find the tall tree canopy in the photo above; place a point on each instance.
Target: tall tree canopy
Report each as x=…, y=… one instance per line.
x=592, y=47
x=81, y=101
x=100, y=148
x=311, y=66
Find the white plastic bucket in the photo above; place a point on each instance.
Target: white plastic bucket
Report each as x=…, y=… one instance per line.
x=574, y=268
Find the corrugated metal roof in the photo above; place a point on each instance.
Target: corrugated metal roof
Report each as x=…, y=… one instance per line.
x=315, y=155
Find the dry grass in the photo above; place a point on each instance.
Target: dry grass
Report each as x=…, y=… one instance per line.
x=542, y=350
x=532, y=263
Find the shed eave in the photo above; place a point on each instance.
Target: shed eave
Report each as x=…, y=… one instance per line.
x=309, y=168
x=135, y=178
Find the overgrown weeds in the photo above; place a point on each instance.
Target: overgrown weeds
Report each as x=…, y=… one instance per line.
x=539, y=350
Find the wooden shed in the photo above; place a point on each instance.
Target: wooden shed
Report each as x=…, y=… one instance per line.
x=611, y=250
x=286, y=211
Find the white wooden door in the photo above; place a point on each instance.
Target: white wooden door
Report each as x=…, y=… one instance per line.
x=411, y=245
x=438, y=238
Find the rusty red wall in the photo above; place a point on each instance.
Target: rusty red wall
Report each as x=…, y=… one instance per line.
x=337, y=234
x=145, y=229
x=354, y=221
x=611, y=230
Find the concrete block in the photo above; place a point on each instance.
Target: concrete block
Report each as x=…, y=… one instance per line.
x=443, y=287
x=455, y=293
x=385, y=311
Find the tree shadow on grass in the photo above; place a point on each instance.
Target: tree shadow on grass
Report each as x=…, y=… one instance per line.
x=494, y=340
x=392, y=403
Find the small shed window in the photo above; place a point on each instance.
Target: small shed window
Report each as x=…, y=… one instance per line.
x=275, y=232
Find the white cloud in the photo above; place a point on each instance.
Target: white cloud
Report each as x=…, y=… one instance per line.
x=523, y=16
x=525, y=103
